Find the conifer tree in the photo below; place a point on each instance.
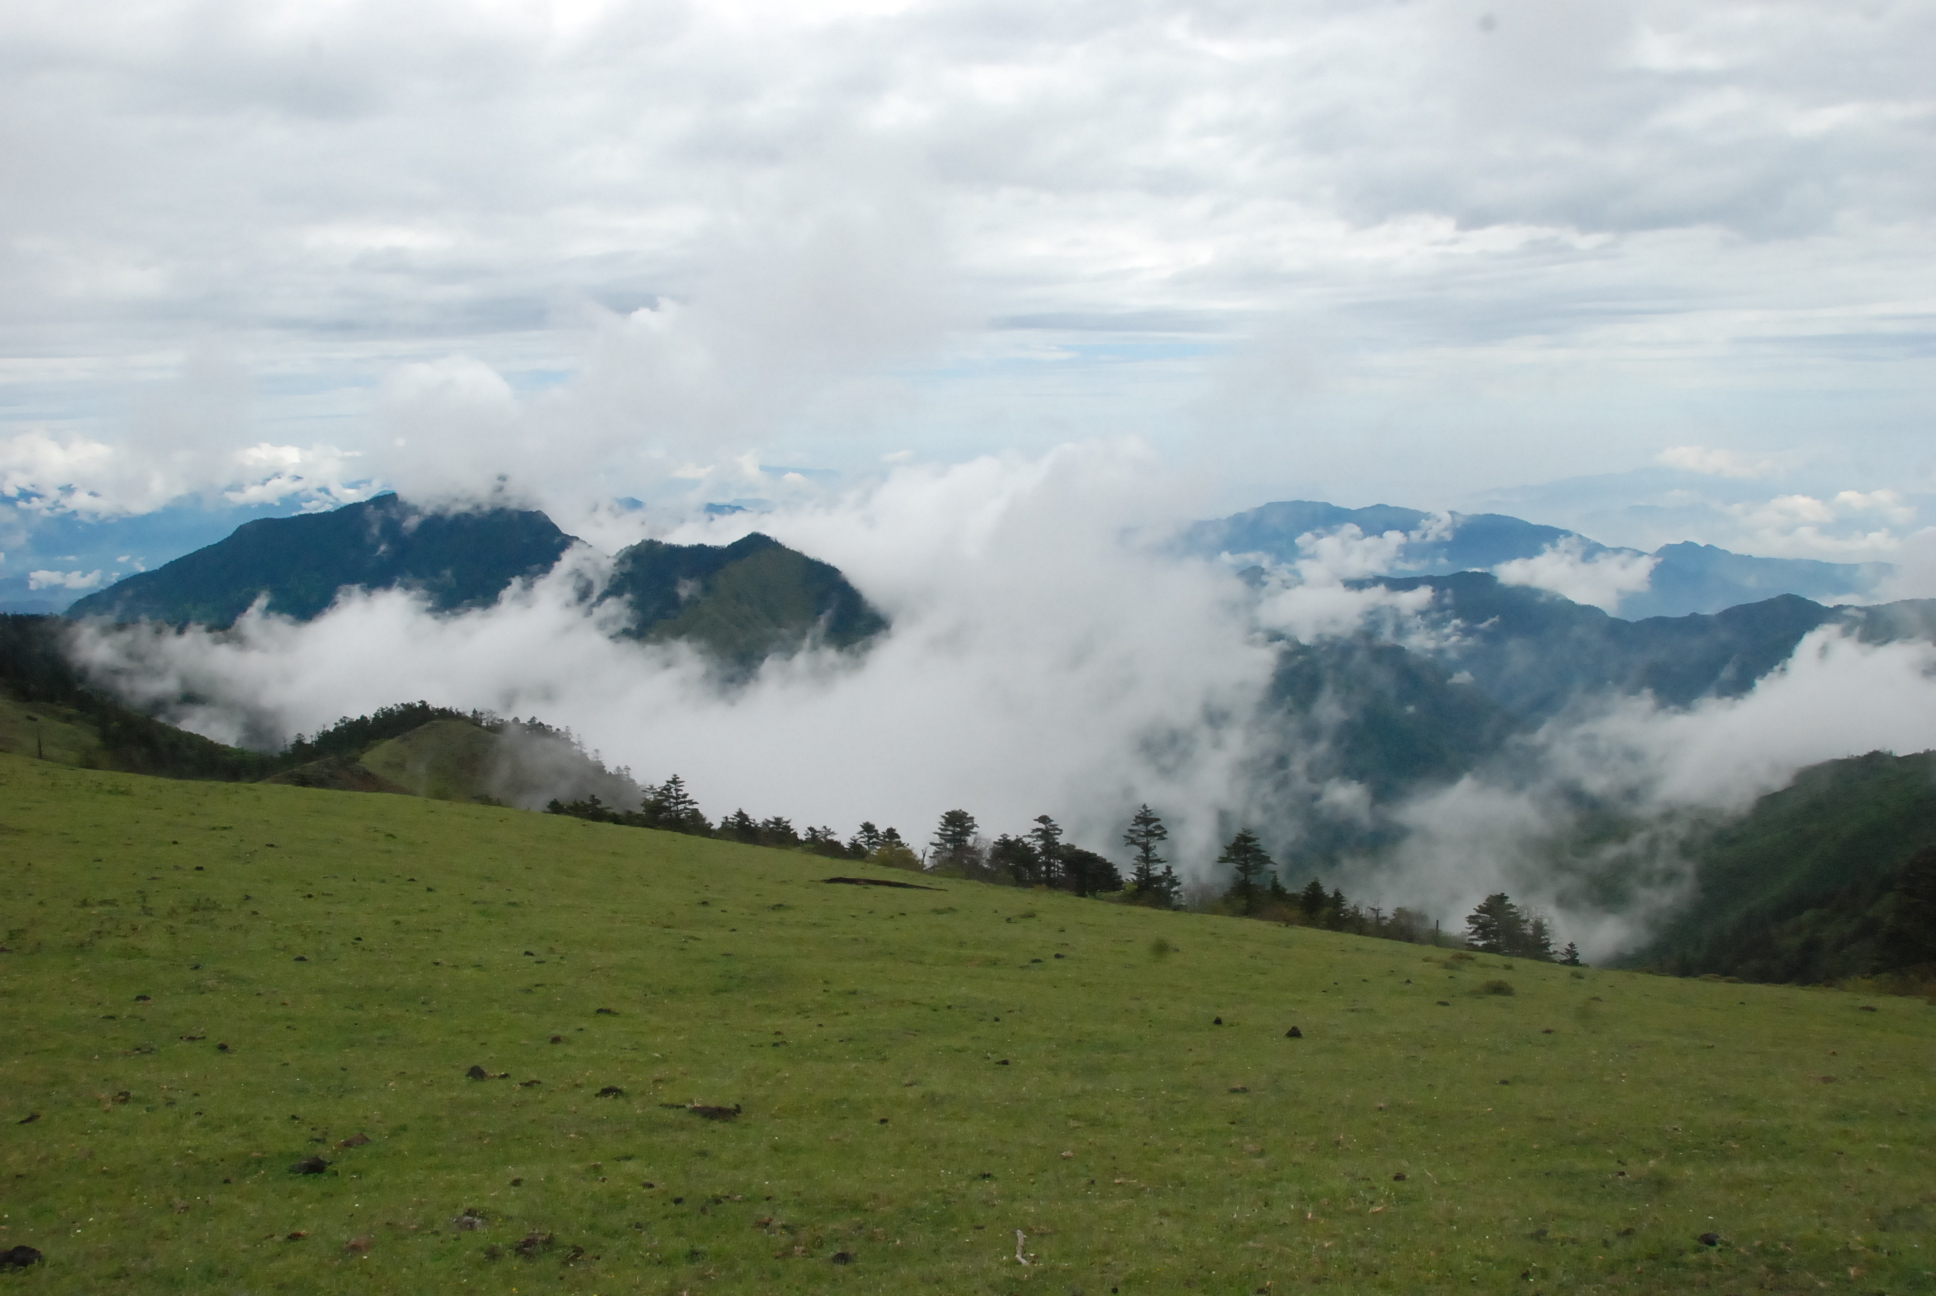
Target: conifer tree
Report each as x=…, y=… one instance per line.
x=1046, y=837
x=954, y=837
x=1246, y=856
x=1145, y=833
x=671, y=807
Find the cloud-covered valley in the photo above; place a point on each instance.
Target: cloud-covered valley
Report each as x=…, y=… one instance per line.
x=1051, y=653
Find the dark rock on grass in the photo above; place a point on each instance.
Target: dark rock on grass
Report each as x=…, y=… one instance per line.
x=532, y=1243
x=1399, y=1177
x=221, y=1048
x=706, y=1110
x=605, y=1012
x=19, y=1257
x=354, y=1140
x=557, y=1039
x=611, y=1091
x=478, y=1073
x=843, y=1257
x=1216, y=1021
x=1293, y=1033
x=1709, y=1239
x=468, y=1222
x=880, y=882
x=28, y=1119
x=309, y=1165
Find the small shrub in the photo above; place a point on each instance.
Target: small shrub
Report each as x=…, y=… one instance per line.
x=1496, y=988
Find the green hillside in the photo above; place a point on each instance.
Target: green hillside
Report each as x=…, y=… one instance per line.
x=1800, y=888
x=206, y=984
x=740, y=602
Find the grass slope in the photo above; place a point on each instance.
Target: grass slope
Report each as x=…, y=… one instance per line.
x=915, y=1084
x=448, y=760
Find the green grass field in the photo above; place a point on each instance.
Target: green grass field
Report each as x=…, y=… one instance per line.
x=207, y=983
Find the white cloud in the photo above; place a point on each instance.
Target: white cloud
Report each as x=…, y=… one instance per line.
x=1036, y=664
x=676, y=232
x=1718, y=463
x=70, y=580
x=1599, y=579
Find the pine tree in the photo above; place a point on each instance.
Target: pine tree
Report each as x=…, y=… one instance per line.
x=740, y=827
x=1167, y=890
x=1246, y=856
x=1496, y=926
x=1570, y=956
x=1145, y=832
x=1538, y=941
x=954, y=837
x=1046, y=837
x=1312, y=899
x=671, y=807
x=866, y=841
x=1017, y=856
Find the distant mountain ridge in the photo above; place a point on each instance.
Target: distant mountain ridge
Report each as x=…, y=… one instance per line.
x=1534, y=652
x=739, y=603
x=1686, y=578
x=456, y=560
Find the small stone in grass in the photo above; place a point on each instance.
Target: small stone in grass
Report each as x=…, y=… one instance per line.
x=1216, y=1021
x=611, y=1091
x=843, y=1257
x=360, y=1245
x=354, y=1140
x=1399, y=1177
x=557, y=1039
x=478, y=1073
x=297, y=1236
x=532, y=1243
x=1239, y=1088
x=468, y=1222
x=1709, y=1239
x=309, y=1165
x=1293, y=1033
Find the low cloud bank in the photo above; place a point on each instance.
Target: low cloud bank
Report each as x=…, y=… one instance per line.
x=1038, y=663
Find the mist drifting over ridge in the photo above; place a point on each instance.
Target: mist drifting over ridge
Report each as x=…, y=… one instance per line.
x=1049, y=654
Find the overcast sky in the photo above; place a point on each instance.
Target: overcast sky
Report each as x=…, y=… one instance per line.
x=1657, y=271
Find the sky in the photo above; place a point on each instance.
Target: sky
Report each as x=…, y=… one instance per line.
x=1653, y=271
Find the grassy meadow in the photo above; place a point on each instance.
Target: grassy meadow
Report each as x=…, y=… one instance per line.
x=207, y=983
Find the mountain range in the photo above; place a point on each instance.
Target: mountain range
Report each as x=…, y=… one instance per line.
x=738, y=603
x=1685, y=578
